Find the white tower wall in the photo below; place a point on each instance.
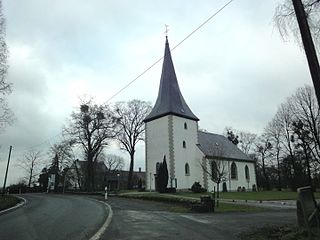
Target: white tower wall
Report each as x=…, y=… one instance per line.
x=157, y=146
x=186, y=154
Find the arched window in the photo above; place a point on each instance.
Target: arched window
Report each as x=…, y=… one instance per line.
x=214, y=171
x=184, y=145
x=246, y=171
x=185, y=126
x=187, y=169
x=157, y=167
x=234, y=172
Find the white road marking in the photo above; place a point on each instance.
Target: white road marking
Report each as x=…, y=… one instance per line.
x=24, y=201
x=105, y=225
x=196, y=219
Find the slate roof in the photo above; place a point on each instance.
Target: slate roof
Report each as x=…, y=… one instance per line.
x=170, y=99
x=215, y=145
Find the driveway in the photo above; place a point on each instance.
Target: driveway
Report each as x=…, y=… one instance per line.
x=138, y=219
x=51, y=216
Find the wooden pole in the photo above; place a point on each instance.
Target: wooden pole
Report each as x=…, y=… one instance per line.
x=5, y=178
x=308, y=46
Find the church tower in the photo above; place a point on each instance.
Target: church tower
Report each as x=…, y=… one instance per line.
x=171, y=132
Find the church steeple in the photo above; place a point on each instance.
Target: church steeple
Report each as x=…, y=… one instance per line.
x=170, y=99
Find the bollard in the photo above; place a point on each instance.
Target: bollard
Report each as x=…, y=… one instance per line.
x=106, y=194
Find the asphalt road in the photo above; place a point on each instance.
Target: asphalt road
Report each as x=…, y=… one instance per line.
x=51, y=216
x=138, y=219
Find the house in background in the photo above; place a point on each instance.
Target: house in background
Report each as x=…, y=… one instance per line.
x=77, y=175
x=119, y=179
x=172, y=133
x=103, y=177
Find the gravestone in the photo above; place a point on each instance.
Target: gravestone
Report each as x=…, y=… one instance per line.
x=308, y=210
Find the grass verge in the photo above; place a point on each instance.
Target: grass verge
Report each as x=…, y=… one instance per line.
x=263, y=195
x=181, y=204
x=229, y=207
x=286, y=232
x=8, y=201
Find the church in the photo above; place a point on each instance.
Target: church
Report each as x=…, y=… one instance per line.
x=172, y=133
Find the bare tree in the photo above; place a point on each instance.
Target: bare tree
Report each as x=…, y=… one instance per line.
x=232, y=135
x=131, y=130
x=217, y=169
x=285, y=118
x=63, y=152
x=31, y=163
x=91, y=128
x=113, y=162
x=244, y=140
x=286, y=22
x=63, y=159
x=302, y=140
x=6, y=115
x=247, y=140
x=263, y=148
x=306, y=110
x=217, y=172
x=273, y=133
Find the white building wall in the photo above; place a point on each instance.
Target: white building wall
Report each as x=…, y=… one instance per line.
x=157, y=146
x=186, y=155
x=240, y=181
x=170, y=129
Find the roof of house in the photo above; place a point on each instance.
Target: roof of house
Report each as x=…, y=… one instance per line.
x=170, y=99
x=215, y=146
x=113, y=175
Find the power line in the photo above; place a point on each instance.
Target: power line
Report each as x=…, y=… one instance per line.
x=156, y=62
x=47, y=141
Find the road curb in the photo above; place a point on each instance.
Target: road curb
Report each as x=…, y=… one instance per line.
x=105, y=225
x=19, y=205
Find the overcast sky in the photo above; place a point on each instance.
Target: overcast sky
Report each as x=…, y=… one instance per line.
x=234, y=71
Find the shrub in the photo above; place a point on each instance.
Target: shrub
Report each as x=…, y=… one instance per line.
x=171, y=190
x=197, y=188
x=163, y=177
x=15, y=188
x=224, y=187
x=254, y=188
x=140, y=184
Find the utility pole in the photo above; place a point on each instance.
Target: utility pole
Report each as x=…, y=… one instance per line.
x=308, y=46
x=5, y=178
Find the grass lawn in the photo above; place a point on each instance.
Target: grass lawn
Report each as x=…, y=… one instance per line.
x=263, y=195
x=8, y=201
x=287, y=232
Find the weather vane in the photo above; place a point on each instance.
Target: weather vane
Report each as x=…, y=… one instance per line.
x=167, y=30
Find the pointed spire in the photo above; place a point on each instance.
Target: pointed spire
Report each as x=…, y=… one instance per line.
x=170, y=99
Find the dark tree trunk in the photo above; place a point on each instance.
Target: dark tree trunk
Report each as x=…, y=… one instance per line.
x=30, y=178
x=130, y=176
x=218, y=194
x=279, y=172
x=90, y=175
x=265, y=174
x=308, y=165
x=293, y=175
